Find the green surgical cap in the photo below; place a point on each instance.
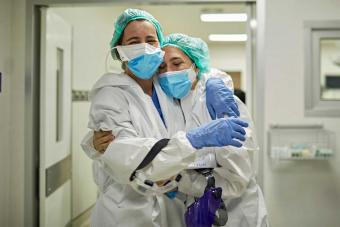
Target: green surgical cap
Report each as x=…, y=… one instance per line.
x=130, y=15
x=196, y=49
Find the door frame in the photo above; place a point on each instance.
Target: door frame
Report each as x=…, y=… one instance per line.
x=32, y=88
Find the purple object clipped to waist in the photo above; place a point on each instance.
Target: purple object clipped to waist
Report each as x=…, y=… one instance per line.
x=202, y=213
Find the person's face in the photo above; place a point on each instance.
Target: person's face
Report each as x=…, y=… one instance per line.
x=136, y=32
x=140, y=31
x=174, y=60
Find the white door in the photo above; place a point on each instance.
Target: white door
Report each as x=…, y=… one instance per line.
x=55, y=116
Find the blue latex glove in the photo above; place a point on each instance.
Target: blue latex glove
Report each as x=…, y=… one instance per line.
x=220, y=99
x=218, y=133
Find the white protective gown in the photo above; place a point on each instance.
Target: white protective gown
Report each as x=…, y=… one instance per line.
x=120, y=105
x=236, y=174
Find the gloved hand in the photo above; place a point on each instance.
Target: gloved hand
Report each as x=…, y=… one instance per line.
x=218, y=133
x=220, y=99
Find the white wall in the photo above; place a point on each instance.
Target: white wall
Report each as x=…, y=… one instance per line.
x=12, y=40
x=298, y=193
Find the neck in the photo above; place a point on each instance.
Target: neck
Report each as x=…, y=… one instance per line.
x=146, y=85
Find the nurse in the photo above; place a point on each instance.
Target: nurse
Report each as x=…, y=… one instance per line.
x=181, y=77
x=129, y=104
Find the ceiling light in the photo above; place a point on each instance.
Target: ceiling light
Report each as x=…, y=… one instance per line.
x=228, y=37
x=224, y=17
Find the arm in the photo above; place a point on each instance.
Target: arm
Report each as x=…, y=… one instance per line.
x=109, y=111
x=241, y=160
x=232, y=174
x=235, y=164
x=125, y=153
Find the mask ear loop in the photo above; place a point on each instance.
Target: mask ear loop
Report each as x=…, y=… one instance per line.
x=107, y=57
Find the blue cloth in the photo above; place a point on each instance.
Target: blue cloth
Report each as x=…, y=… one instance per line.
x=218, y=133
x=156, y=103
x=220, y=99
x=171, y=195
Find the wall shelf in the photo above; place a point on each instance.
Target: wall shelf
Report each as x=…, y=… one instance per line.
x=300, y=142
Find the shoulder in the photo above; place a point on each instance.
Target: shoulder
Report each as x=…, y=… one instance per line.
x=111, y=83
x=216, y=73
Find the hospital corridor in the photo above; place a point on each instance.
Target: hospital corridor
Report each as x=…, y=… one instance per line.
x=170, y=113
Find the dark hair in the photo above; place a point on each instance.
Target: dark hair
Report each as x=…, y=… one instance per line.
x=240, y=94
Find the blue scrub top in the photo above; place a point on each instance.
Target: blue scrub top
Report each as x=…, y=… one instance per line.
x=157, y=105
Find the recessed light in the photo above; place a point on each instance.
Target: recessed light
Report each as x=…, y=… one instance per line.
x=223, y=17
x=228, y=37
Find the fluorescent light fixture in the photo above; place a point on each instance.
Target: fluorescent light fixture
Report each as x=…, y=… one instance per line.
x=223, y=17
x=228, y=37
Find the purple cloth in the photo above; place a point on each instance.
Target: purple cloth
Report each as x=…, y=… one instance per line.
x=202, y=212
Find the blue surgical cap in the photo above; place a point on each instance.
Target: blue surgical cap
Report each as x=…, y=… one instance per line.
x=195, y=48
x=130, y=15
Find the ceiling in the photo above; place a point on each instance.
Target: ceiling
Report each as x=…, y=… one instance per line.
x=185, y=18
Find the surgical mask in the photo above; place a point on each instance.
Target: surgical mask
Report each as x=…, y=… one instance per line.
x=177, y=84
x=143, y=59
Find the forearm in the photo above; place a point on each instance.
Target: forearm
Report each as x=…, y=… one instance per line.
x=124, y=155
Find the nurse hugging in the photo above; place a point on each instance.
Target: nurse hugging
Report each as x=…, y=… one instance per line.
x=171, y=145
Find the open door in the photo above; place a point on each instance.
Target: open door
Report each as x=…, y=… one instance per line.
x=55, y=117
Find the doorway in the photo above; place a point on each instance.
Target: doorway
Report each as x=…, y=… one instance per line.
x=95, y=22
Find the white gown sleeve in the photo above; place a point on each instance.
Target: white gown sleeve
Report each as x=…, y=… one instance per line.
x=236, y=168
x=233, y=174
x=110, y=111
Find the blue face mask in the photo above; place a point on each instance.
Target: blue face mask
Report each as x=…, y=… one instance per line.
x=145, y=66
x=177, y=84
x=143, y=59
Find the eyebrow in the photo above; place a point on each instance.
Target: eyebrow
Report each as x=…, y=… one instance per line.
x=176, y=58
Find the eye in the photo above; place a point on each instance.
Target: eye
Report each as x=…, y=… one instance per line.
x=152, y=42
x=178, y=62
x=132, y=43
x=162, y=66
